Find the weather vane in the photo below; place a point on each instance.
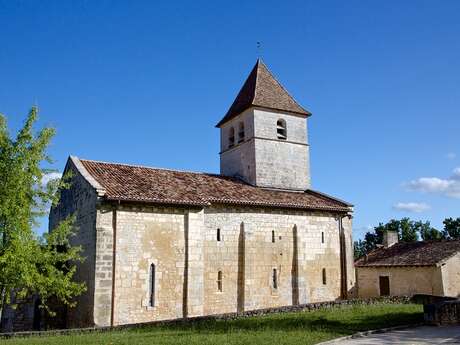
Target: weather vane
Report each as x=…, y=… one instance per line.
x=259, y=49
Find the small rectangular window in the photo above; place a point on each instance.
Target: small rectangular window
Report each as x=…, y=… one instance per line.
x=231, y=137
x=322, y=237
x=152, y=286
x=281, y=129
x=275, y=278
x=219, y=281
x=218, y=235
x=273, y=236
x=324, y=277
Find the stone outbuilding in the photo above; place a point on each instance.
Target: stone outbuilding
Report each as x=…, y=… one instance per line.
x=396, y=269
x=166, y=244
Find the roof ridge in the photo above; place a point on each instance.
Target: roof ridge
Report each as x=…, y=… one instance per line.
x=152, y=168
x=259, y=60
x=324, y=195
x=281, y=85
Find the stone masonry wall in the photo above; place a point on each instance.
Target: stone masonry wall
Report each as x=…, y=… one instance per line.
x=263, y=159
x=404, y=281
x=281, y=163
x=247, y=256
x=105, y=221
x=182, y=243
x=148, y=236
x=451, y=276
x=347, y=224
x=80, y=200
x=240, y=159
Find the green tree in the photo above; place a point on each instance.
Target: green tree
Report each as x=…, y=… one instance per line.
x=407, y=230
x=451, y=228
x=32, y=264
x=427, y=232
x=359, y=249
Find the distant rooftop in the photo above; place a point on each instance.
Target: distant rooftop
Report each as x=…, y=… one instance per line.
x=423, y=253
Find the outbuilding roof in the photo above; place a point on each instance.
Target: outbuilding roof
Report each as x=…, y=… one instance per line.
x=261, y=89
x=161, y=186
x=422, y=253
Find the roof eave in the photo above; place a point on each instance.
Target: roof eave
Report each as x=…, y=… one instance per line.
x=394, y=266
x=331, y=197
x=227, y=118
x=100, y=190
x=211, y=201
x=157, y=202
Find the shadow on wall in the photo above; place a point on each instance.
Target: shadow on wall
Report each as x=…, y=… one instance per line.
x=295, y=268
x=241, y=273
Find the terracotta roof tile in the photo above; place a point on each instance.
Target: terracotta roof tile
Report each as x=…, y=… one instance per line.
x=261, y=89
x=428, y=253
x=151, y=185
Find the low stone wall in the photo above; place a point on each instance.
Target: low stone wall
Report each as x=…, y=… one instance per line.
x=228, y=316
x=430, y=299
x=442, y=313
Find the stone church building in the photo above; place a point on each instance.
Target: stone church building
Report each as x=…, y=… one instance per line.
x=164, y=244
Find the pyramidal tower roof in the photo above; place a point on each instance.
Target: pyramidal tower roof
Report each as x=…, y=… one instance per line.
x=261, y=89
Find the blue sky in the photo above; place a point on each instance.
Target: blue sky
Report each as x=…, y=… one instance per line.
x=145, y=83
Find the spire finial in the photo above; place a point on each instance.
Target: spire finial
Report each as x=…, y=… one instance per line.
x=259, y=49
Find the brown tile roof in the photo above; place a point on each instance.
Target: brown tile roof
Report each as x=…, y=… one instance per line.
x=151, y=185
x=428, y=253
x=261, y=89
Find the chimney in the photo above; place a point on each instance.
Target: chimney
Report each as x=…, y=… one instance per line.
x=390, y=238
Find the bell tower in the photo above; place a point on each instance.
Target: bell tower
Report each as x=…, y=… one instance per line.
x=263, y=136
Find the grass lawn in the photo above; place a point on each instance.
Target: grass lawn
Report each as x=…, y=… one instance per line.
x=285, y=328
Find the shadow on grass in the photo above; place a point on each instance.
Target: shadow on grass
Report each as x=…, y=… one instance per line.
x=328, y=322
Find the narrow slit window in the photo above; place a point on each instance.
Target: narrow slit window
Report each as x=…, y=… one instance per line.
x=322, y=237
x=219, y=281
x=231, y=137
x=241, y=132
x=273, y=236
x=218, y=235
x=152, y=286
x=281, y=129
x=324, y=277
x=275, y=278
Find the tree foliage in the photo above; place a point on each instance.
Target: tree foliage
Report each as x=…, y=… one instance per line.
x=408, y=231
x=427, y=232
x=451, y=228
x=32, y=264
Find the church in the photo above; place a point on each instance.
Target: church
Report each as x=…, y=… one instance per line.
x=167, y=244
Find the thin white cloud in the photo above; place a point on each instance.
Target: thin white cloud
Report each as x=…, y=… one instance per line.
x=360, y=231
x=50, y=176
x=451, y=155
x=444, y=186
x=456, y=175
x=411, y=207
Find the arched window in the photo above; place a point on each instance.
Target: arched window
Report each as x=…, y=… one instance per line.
x=241, y=132
x=219, y=281
x=152, y=286
x=281, y=129
x=231, y=137
x=324, y=277
x=218, y=235
x=275, y=278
